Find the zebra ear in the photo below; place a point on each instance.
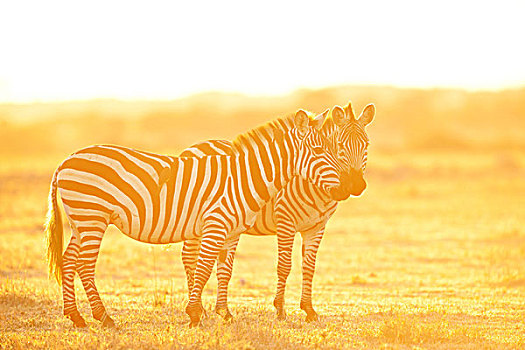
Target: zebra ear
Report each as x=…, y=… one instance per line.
x=339, y=117
x=367, y=115
x=318, y=121
x=301, y=121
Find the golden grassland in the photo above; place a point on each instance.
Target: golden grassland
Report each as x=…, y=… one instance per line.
x=431, y=256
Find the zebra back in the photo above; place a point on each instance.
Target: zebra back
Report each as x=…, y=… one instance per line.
x=208, y=148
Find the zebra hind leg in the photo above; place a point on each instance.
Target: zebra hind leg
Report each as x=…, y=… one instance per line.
x=68, y=280
x=89, y=249
x=224, y=274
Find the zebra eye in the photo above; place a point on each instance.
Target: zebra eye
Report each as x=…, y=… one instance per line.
x=318, y=150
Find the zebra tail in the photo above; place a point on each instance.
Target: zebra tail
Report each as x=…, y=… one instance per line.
x=54, y=233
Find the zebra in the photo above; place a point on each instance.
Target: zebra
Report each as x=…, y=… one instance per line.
x=300, y=206
x=161, y=199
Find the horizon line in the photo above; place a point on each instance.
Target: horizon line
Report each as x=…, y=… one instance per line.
x=239, y=93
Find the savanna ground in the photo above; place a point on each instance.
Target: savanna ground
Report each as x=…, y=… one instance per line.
x=431, y=256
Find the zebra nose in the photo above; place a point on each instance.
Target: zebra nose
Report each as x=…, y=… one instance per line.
x=357, y=183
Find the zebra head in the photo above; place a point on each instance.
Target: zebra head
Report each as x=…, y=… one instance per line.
x=316, y=159
x=352, y=146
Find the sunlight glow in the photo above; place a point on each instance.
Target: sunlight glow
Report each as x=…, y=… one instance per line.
x=61, y=50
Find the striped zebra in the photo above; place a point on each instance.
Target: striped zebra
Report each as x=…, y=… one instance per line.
x=160, y=199
x=301, y=206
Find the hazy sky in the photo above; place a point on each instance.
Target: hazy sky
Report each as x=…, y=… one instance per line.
x=60, y=50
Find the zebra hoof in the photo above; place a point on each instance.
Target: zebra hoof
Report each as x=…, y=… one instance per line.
x=193, y=324
x=228, y=317
x=312, y=316
x=279, y=307
x=195, y=313
x=281, y=315
x=107, y=322
x=78, y=321
x=80, y=324
x=224, y=313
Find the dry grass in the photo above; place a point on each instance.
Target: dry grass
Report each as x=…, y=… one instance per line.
x=431, y=257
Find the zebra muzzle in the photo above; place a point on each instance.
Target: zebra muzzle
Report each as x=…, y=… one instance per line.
x=352, y=183
x=356, y=182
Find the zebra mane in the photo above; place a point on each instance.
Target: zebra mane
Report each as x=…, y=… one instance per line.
x=329, y=127
x=329, y=131
x=269, y=130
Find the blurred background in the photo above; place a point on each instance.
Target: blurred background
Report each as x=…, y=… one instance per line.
x=446, y=77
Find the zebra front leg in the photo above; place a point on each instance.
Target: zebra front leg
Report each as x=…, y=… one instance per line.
x=69, y=261
x=285, y=236
x=89, y=249
x=190, y=254
x=311, y=242
x=213, y=238
x=224, y=274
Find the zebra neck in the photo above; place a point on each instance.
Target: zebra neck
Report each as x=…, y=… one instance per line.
x=265, y=161
x=259, y=176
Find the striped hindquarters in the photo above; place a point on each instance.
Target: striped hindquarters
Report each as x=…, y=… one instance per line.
x=112, y=184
